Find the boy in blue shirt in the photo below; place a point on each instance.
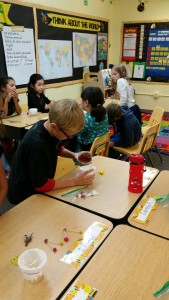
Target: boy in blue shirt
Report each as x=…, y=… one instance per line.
x=127, y=129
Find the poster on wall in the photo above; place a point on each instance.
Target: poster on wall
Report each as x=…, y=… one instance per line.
x=129, y=44
x=139, y=70
x=152, y=50
x=55, y=58
x=51, y=32
x=129, y=67
x=157, y=63
x=84, y=49
x=102, y=46
x=17, y=46
x=19, y=53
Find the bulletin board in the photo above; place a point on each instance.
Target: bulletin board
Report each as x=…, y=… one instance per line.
x=54, y=43
x=145, y=50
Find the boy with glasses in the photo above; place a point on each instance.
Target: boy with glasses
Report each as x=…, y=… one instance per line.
x=35, y=161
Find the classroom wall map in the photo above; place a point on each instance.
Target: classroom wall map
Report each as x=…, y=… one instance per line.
x=58, y=43
x=55, y=58
x=84, y=49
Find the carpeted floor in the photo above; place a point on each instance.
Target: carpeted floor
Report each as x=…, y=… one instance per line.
x=162, y=140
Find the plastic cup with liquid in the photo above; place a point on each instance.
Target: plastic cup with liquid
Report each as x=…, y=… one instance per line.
x=88, y=167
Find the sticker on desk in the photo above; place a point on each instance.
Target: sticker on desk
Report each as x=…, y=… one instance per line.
x=143, y=211
x=148, y=175
x=80, y=291
x=82, y=248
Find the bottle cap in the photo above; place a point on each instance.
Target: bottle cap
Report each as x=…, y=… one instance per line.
x=136, y=158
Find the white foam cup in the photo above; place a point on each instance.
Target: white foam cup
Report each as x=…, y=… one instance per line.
x=32, y=263
x=33, y=111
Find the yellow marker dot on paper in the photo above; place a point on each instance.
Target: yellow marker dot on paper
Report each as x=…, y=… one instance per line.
x=101, y=172
x=95, y=241
x=87, y=288
x=78, y=242
x=74, y=292
x=81, y=258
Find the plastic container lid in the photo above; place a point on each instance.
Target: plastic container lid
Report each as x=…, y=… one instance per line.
x=137, y=158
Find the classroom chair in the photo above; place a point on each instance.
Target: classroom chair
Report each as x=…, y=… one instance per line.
x=94, y=79
x=156, y=117
x=100, y=145
x=145, y=144
x=64, y=166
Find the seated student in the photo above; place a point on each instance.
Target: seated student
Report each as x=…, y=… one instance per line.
x=125, y=90
x=127, y=127
x=9, y=96
x=96, y=119
x=3, y=182
x=36, y=96
x=35, y=160
x=10, y=102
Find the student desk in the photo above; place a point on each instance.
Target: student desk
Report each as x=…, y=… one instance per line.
x=159, y=220
x=107, y=101
x=113, y=199
x=46, y=218
x=15, y=125
x=131, y=264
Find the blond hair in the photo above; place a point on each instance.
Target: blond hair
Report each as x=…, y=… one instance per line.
x=121, y=69
x=67, y=114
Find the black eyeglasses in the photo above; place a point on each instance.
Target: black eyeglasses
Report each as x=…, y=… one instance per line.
x=68, y=137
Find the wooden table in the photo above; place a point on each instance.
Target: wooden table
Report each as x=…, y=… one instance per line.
x=131, y=264
x=107, y=101
x=46, y=218
x=159, y=221
x=113, y=199
x=15, y=125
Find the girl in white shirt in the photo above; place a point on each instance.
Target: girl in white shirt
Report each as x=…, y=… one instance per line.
x=125, y=90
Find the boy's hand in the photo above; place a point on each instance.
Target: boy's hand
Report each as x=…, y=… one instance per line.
x=84, y=178
x=83, y=157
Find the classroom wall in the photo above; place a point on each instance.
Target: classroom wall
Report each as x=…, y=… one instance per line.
x=117, y=12
x=95, y=8
x=126, y=10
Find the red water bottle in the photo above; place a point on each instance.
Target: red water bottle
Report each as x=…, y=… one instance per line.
x=137, y=164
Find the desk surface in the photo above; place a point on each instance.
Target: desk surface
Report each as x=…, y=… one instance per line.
x=107, y=101
x=131, y=264
x=113, y=199
x=24, y=120
x=159, y=221
x=46, y=218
